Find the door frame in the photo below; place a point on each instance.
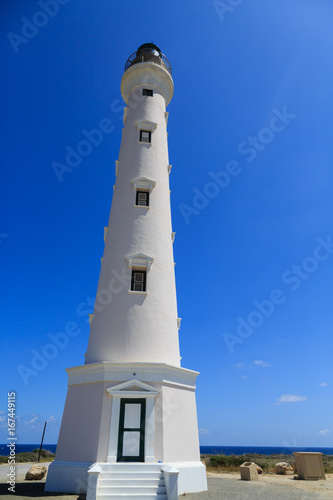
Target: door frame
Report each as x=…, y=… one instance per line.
x=141, y=429
x=132, y=389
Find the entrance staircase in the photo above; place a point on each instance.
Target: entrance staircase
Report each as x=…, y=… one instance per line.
x=132, y=481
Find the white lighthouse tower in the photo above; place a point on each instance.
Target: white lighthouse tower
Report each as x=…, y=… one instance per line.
x=130, y=424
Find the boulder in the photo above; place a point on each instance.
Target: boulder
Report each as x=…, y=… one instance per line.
x=259, y=469
x=36, y=472
x=283, y=468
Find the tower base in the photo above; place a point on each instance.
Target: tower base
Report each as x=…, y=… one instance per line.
x=75, y=477
x=67, y=477
x=127, y=416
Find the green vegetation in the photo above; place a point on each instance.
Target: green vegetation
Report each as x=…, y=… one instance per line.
x=228, y=462
x=231, y=463
x=30, y=456
x=328, y=464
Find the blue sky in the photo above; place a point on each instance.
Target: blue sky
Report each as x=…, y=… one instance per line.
x=250, y=141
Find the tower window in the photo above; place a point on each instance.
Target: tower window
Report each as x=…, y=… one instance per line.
x=142, y=198
x=145, y=136
x=148, y=92
x=138, y=283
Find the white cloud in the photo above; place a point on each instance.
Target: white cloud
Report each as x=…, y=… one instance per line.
x=2, y=418
x=51, y=419
x=324, y=432
x=244, y=376
x=290, y=398
x=323, y=384
x=261, y=363
x=250, y=365
x=32, y=421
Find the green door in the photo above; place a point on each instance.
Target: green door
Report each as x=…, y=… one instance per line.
x=131, y=441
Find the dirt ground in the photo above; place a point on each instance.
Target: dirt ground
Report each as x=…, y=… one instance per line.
x=325, y=485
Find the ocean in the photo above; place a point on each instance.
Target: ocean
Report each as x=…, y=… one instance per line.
x=260, y=450
x=208, y=450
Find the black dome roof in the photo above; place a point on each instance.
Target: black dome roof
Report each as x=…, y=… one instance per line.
x=149, y=46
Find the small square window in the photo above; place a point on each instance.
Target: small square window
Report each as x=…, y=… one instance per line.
x=142, y=198
x=138, y=283
x=148, y=92
x=145, y=136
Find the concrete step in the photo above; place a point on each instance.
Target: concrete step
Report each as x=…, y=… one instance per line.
x=135, y=496
x=130, y=475
x=121, y=481
x=124, y=481
x=129, y=489
x=130, y=466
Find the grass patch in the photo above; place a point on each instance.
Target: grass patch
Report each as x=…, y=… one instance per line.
x=30, y=456
x=231, y=463
x=328, y=464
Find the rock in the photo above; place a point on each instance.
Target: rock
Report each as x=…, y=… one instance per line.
x=283, y=468
x=36, y=472
x=259, y=469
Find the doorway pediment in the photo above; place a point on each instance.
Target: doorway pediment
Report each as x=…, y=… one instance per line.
x=133, y=388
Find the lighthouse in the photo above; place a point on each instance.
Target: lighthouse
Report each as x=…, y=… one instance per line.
x=129, y=425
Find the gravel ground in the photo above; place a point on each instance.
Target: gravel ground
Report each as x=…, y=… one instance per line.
x=21, y=470
x=220, y=486
x=26, y=490
x=269, y=487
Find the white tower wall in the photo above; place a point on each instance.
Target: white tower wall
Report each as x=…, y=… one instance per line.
x=132, y=326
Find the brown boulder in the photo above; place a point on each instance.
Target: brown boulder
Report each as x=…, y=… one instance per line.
x=259, y=469
x=283, y=468
x=36, y=472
